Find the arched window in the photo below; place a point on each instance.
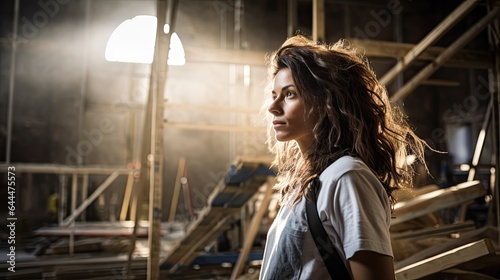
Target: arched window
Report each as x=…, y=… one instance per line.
x=134, y=40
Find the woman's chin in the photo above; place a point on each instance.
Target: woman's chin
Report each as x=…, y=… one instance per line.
x=282, y=138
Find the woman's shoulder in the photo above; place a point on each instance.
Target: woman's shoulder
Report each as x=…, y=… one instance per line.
x=342, y=166
x=353, y=175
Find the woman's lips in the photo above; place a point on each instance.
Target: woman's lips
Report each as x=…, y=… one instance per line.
x=277, y=124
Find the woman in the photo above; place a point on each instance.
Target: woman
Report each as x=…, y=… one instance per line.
x=332, y=120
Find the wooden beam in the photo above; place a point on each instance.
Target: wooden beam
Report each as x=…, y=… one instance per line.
x=229, y=56
x=438, y=231
x=446, y=260
x=64, y=169
x=126, y=197
x=445, y=56
x=318, y=18
x=221, y=128
x=467, y=237
x=152, y=154
x=430, y=39
x=385, y=49
x=126, y=107
x=436, y=200
x=480, y=139
x=442, y=83
x=215, y=108
x=177, y=188
x=193, y=54
x=371, y=48
x=84, y=194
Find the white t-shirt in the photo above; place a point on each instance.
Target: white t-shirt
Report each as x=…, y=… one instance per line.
x=355, y=211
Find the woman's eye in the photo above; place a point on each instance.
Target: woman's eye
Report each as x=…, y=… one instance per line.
x=290, y=94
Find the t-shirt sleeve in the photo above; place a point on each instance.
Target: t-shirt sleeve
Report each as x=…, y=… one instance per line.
x=358, y=212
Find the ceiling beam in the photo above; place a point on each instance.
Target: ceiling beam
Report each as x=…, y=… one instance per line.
x=430, y=39
x=384, y=49
x=445, y=56
x=443, y=83
x=371, y=48
x=212, y=55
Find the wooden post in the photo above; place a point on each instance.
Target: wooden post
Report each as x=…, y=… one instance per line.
x=177, y=186
x=126, y=196
x=62, y=199
x=318, y=20
x=292, y=17
x=85, y=192
x=74, y=185
x=155, y=155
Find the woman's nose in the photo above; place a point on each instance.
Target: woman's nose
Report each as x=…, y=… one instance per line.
x=274, y=108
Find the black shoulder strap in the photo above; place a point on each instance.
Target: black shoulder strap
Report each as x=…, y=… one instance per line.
x=331, y=257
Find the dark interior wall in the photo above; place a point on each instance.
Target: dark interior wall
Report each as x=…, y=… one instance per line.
x=67, y=95
x=73, y=107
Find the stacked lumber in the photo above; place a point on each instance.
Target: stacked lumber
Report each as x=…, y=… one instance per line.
x=426, y=248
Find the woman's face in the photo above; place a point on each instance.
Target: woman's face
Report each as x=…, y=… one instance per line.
x=288, y=110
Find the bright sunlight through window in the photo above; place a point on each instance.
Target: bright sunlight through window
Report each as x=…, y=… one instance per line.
x=134, y=40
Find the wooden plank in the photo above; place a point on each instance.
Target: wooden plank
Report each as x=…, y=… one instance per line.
x=206, y=107
x=64, y=169
x=213, y=127
x=442, y=83
x=468, y=237
x=385, y=49
x=431, y=232
x=446, y=260
x=177, y=188
x=84, y=194
x=229, y=56
x=65, y=247
x=430, y=39
x=436, y=200
x=405, y=194
x=126, y=197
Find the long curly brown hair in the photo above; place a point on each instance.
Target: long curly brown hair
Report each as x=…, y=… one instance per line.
x=354, y=117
